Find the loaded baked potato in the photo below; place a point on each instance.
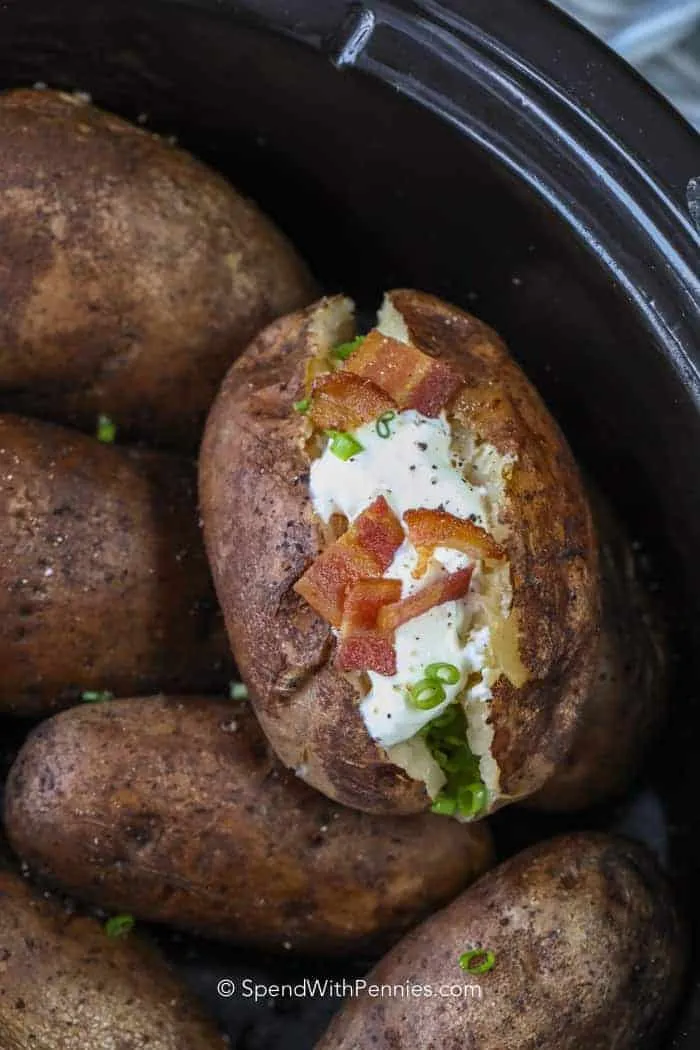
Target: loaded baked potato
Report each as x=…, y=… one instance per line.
x=404, y=555
x=175, y=810
x=66, y=984
x=131, y=274
x=574, y=943
x=104, y=584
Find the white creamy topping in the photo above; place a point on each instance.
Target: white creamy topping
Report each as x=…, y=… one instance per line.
x=413, y=468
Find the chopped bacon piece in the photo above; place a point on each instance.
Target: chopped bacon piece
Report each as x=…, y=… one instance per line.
x=364, y=601
x=371, y=651
x=379, y=531
x=428, y=529
x=366, y=549
x=344, y=401
x=363, y=647
x=413, y=379
x=448, y=589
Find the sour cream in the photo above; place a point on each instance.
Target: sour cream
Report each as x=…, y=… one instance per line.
x=414, y=467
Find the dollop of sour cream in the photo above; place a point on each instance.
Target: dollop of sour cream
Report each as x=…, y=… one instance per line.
x=413, y=467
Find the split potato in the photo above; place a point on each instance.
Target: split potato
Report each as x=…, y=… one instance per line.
x=66, y=985
x=537, y=599
x=176, y=811
x=104, y=583
x=582, y=947
x=131, y=274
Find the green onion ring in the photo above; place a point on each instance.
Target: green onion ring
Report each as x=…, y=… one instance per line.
x=468, y=964
x=382, y=426
x=448, y=674
x=426, y=694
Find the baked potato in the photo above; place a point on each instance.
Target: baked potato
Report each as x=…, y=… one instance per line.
x=131, y=274
x=628, y=698
x=175, y=810
x=573, y=943
x=65, y=984
x=104, y=584
x=442, y=659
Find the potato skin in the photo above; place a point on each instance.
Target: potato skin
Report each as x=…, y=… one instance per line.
x=628, y=697
x=66, y=985
x=176, y=810
x=104, y=582
x=261, y=534
x=589, y=952
x=131, y=274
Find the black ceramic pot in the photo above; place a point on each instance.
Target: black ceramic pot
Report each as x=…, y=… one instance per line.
x=494, y=153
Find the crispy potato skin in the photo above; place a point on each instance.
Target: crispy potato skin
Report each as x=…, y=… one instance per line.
x=104, y=582
x=131, y=275
x=628, y=697
x=589, y=952
x=177, y=811
x=66, y=985
x=261, y=534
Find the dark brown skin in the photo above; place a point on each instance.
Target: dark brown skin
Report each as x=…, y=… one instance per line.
x=131, y=275
x=175, y=810
x=628, y=698
x=261, y=534
x=66, y=985
x=589, y=953
x=104, y=583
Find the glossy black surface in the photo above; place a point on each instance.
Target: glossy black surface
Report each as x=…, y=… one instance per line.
x=492, y=153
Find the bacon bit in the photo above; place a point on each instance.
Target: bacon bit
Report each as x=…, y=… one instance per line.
x=413, y=379
x=362, y=646
x=365, y=550
x=428, y=529
x=364, y=601
x=379, y=531
x=373, y=651
x=344, y=401
x=449, y=589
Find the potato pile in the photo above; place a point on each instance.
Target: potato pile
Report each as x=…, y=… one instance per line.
x=135, y=285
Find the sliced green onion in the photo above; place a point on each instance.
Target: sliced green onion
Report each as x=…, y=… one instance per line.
x=344, y=445
x=425, y=695
x=447, y=718
x=382, y=427
x=238, y=691
x=342, y=351
x=119, y=925
x=96, y=696
x=471, y=799
x=478, y=960
x=106, y=429
x=448, y=674
x=302, y=406
x=444, y=805
x=460, y=761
